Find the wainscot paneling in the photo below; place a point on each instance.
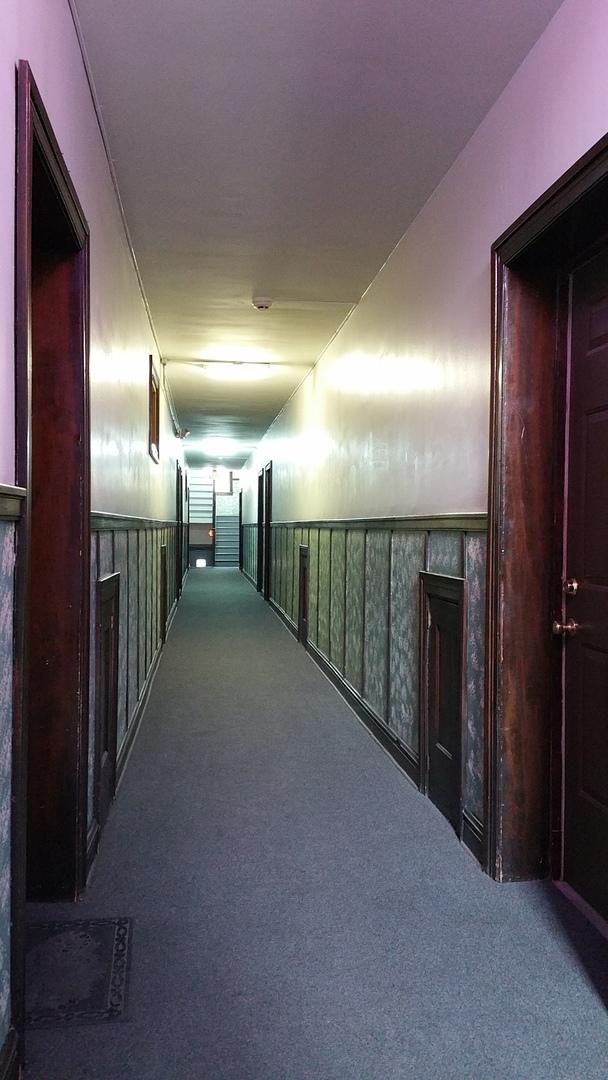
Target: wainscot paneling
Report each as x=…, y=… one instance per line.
x=375, y=639
x=92, y=681
x=338, y=588
x=364, y=624
x=445, y=553
x=473, y=750
x=250, y=551
x=121, y=566
x=324, y=591
x=133, y=683
x=355, y=600
x=7, y=571
x=407, y=557
x=131, y=549
x=313, y=589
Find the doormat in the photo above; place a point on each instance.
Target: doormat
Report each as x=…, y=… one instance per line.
x=77, y=972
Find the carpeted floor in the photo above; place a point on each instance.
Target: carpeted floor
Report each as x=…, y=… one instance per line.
x=300, y=911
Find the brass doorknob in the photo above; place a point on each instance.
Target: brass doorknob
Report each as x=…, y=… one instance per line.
x=565, y=629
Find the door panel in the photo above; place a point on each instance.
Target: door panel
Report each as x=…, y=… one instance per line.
x=107, y=696
x=303, y=596
x=586, y=561
x=442, y=717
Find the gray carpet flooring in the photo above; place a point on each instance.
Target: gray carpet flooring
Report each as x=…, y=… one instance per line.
x=300, y=911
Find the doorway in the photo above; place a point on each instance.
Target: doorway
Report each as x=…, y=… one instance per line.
x=267, y=528
x=52, y=435
x=303, y=595
x=264, y=530
x=442, y=668
x=260, y=532
x=547, y=668
x=582, y=623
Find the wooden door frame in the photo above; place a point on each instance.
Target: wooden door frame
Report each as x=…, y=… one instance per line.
x=259, y=584
x=267, y=569
x=241, y=531
x=33, y=128
x=523, y=726
x=179, y=532
x=455, y=591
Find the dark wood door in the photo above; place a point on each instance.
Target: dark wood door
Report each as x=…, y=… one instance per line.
x=179, y=534
x=260, y=553
x=586, y=590
x=51, y=716
x=107, y=695
x=442, y=697
x=303, y=596
x=267, y=528
x=164, y=593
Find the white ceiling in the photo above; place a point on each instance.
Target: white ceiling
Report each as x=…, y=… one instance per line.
x=281, y=148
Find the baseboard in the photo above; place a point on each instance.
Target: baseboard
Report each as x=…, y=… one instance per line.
x=133, y=728
x=473, y=835
x=251, y=580
x=92, y=844
x=284, y=617
x=404, y=757
x=9, y=1057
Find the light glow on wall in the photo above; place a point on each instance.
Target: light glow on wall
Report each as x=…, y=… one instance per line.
x=367, y=374
x=217, y=446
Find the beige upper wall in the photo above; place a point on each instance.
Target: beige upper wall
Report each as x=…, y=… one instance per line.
x=124, y=478
x=394, y=418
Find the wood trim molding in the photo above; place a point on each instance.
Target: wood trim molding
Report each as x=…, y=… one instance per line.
x=33, y=128
x=12, y=502
x=519, y=693
x=452, y=522
x=101, y=522
x=589, y=170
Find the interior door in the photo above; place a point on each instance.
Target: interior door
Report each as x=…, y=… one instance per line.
x=260, y=557
x=303, y=595
x=107, y=695
x=267, y=528
x=584, y=620
x=443, y=637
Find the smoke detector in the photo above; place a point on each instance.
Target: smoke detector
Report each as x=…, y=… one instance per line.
x=262, y=303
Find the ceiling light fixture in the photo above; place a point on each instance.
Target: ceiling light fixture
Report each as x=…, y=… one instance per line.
x=235, y=370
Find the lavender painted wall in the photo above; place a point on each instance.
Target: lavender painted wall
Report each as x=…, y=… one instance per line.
x=123, y=476
x=394, y=418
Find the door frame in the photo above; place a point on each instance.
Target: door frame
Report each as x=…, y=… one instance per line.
x=259, y=584
x=523, y=721
x=454, y=591
x=303, y=593
x=33, y=129
x=267, y=530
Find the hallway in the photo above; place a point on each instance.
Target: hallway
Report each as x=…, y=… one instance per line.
x=300, y=911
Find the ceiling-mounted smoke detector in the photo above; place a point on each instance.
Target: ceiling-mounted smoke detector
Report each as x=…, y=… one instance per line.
x=262, y=303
